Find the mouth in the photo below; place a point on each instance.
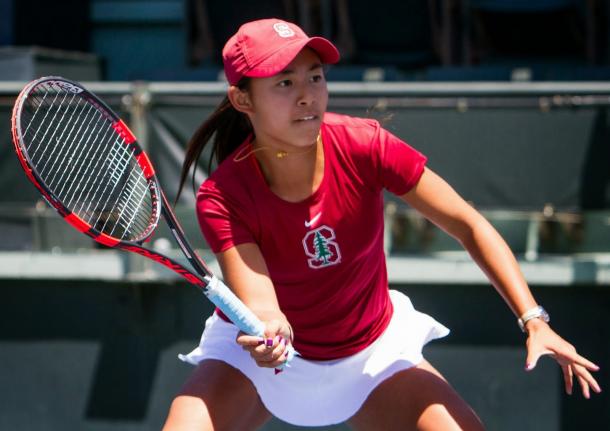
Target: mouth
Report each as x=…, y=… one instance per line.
x=307, y=118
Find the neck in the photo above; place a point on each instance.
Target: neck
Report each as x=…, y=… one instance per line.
x=293, y=175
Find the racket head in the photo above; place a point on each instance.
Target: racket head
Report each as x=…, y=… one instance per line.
x=85, y=161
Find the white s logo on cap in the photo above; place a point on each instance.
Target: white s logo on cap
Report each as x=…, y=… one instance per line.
x=282, y=29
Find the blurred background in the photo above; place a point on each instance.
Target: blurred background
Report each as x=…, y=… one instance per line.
x=508, y=98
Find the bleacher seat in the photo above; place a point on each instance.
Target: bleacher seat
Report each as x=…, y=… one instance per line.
x=180, y=73
x=585, y=234
x=529, y=234
x=212, y=23
x=138, y=36
x=393, y=32
x=39, y=228
x=358, y=73
x=553, y=28
x=469, y=73
x=522, y=5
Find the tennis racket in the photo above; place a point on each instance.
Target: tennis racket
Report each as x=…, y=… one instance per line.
x=88, y=165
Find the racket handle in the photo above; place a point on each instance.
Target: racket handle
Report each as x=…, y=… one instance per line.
x=233, y=308
x=238, y=313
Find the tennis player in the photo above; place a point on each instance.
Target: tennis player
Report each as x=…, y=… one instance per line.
x=294, y=212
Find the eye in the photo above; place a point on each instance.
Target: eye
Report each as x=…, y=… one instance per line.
x=317, y=78
x=285, y=83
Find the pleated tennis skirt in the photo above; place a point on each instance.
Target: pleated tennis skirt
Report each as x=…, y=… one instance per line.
x=319, y=393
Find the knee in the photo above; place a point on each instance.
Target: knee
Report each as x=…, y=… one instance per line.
x=453, y=415
x=210, y=398
x=438, y=406
x=188, y=413
x=417, y=398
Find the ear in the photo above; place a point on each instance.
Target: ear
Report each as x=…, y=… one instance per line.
x=240, y=99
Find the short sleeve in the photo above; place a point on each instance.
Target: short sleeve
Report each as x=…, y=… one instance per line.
x=222, y=221
x=399, y=166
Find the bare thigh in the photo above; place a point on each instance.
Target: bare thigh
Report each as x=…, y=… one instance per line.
x=415, y=399
x=216, y=397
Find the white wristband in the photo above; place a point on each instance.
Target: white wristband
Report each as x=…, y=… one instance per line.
x=535, y=313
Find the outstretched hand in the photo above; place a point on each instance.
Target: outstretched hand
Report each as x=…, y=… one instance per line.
x=269, y=351
x=542, y=340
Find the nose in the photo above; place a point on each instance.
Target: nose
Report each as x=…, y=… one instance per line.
x=305, y=96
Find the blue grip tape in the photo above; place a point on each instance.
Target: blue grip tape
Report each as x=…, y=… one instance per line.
x=238, y=313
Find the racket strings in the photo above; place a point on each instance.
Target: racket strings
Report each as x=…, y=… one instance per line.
x=82, y=191
x=45, y=119
x=65, y=168
x=42, y=143
x=85, y=163
x=126, y=206
x=88, y=161
x=67, y=165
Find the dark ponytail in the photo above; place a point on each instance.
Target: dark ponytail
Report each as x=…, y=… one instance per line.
x=228, y=128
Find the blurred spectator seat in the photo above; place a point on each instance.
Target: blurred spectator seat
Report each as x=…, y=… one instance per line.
x=530, y=28
x=59, y=25
x=137, y=36
x=583, y=73
x=392, y=32
x=410, y=233
x=182, y=73
x=212, y=23
x=593, y=233
x=27, y=63
x=529, y=234
x=7, y=19
x=522, y=5
x=518, y=72
x=38, y=228
x=356, y=73
x=469, y=73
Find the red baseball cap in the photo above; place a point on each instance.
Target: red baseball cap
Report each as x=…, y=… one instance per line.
x=265, y=47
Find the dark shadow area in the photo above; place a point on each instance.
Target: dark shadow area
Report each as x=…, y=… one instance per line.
x=91, y=351
x=594, y=190
x=133, y=325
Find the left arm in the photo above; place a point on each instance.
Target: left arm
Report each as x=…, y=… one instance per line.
x=439, y=203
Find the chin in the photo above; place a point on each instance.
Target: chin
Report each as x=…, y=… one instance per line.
x=311, y=128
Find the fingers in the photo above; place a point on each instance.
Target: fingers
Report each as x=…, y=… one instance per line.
x=271, y=353
x=267, y=352
x=568, y=378
x=573, y=365
x=574, y=357
x=585, y=380
x=566, y=354
x=271, y=349
x=245, y=340
x=533, y=357
x=584, y=386
x=544, y=341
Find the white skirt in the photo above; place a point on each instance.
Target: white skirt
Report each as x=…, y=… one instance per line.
x=319, y=393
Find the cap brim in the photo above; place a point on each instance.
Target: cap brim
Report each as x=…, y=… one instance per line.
x=281, y=58
x=326, y=50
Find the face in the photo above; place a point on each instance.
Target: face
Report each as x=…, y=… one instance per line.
x=286, y=109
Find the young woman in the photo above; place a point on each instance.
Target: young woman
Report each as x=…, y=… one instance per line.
x=294, y=212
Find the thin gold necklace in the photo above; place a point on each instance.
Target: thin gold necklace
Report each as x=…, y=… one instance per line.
x=279, y=154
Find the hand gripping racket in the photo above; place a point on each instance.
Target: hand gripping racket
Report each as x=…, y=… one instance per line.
x=89, y=167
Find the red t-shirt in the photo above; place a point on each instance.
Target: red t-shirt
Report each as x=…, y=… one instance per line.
x=324, y=254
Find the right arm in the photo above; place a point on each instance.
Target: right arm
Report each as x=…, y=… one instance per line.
x=245, y=271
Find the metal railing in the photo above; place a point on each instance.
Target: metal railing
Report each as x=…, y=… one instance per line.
x=531, y=234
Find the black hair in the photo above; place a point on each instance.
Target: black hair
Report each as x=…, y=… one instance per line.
x=226, y=128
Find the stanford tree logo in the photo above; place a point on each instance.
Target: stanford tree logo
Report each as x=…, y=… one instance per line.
x=321, y=248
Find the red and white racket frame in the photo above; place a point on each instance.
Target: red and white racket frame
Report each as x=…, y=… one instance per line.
x=159, y=201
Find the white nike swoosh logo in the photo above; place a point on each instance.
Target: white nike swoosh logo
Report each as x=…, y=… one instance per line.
x=313, y=220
